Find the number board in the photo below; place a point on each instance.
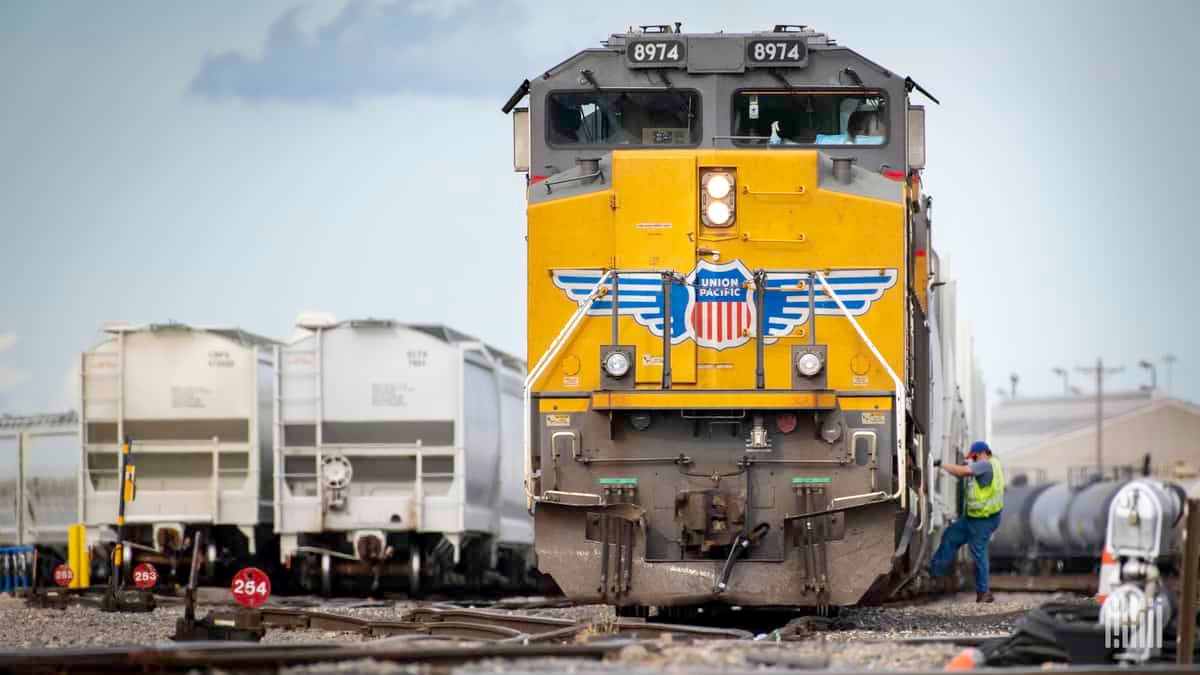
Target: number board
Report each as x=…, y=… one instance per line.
x=145, y=576
x=63, y=575
x=251, y=587
x=777, y=52
x=656, y=53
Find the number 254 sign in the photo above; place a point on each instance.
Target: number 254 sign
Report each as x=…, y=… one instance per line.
x=251, y=587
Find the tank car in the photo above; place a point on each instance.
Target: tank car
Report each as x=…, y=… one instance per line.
x=398, y=459
x=729, y=269
x=1012, y=546
x=196, y=403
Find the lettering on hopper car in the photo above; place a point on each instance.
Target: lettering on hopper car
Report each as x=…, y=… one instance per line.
x=220, y=359
x=389, y=394
x=189, y=397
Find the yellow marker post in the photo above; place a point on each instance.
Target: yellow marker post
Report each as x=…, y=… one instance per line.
x=77, y=556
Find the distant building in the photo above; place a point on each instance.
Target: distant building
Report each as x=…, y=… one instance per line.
x=1049, y=438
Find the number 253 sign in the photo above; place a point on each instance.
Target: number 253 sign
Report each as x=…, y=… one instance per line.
x=251, y=587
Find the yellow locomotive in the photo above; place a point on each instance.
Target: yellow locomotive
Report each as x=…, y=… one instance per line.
x=729, y=274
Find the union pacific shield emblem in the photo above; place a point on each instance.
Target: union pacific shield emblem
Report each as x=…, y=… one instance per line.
x=722, y=314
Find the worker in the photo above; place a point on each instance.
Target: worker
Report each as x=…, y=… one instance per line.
x=985, y=500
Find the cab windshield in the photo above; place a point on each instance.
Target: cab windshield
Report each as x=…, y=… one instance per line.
x=611, y=118
x=809, y=118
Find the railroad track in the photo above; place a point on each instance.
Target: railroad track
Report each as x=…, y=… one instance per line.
x=491, y=634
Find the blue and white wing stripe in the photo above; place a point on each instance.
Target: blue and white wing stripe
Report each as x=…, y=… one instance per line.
x=786, y=304
x=641, y=297
x=857, y=289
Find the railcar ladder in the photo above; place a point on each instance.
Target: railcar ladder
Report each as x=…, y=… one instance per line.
x=86, y=376
x=280, y=440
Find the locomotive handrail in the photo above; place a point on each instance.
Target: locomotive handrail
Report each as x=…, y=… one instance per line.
x=901, y=452
x=551, y=353
x=598, y=173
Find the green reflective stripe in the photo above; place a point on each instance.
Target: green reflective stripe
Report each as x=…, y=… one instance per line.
x=811, y=479
x=618, y=481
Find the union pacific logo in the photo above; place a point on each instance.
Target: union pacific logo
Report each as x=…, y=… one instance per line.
x=716, y=306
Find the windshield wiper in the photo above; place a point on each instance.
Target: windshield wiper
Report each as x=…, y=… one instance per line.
x=779, y=76
x=513, y=100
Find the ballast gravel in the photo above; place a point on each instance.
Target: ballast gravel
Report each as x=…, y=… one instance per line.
x=895, y=636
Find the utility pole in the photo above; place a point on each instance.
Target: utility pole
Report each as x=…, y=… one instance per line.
x=1014, y=378
x=1100, y=371
x=1169, y=360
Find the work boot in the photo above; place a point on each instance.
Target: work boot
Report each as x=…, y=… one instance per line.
x=985, y=597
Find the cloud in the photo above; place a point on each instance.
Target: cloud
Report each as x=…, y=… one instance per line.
x=371, y=49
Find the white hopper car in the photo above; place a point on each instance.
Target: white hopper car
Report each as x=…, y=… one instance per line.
x=197, y=404
x=398, y=458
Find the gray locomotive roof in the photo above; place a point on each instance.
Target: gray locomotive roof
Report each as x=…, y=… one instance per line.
x=714, y=66
x=229, y=332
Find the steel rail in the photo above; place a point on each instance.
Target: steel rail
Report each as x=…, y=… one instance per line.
x=494, y=634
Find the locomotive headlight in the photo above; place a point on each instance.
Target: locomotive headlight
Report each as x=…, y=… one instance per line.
x=718, y=197
x=808, y=364
x=616, y=364
x=718, y=185
x=718, y=213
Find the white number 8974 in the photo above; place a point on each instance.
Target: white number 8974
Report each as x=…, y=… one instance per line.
x=656, y=51
x=776, y=51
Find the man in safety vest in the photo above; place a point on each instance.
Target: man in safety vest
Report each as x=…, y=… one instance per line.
x=985, y=499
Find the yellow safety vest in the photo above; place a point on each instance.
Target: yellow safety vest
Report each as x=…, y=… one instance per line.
x=986, y=501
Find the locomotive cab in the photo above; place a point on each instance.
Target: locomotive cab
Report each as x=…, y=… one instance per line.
x=727, y=288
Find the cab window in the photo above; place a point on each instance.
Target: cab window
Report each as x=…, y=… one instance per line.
x=623, y=118
x=819, y=118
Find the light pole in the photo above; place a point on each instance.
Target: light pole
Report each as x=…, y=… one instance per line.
x=1153, y=375
x=1062, y=372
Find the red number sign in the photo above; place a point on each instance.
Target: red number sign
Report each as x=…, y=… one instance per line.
x=251, y=587
x=63, y=575
x=145, y=576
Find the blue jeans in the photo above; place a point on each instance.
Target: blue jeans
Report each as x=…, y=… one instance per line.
x=975, y=533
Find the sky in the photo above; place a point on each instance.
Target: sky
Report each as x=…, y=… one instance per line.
x=238, y=163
